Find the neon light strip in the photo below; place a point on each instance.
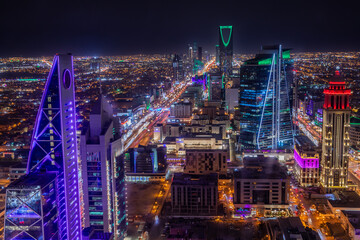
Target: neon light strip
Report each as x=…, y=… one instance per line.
x=222, y=37
x=337, y=83
x=333, y=92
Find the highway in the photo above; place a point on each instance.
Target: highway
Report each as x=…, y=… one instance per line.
x=158, y=114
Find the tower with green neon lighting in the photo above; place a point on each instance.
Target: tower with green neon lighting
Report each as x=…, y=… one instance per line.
x=265, y=100
x=226, y=48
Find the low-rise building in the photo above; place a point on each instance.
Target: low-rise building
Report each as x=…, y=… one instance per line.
x=307, y=158
x=351, y=222
x=290, y=228
x=177, y=146
x=261, y=190
x=194, y=195
x=206, y=161
x=181, y=111
x=344, y=201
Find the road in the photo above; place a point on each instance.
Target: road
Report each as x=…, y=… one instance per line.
x=309, y=216
x=144, y=127
x=145, y=136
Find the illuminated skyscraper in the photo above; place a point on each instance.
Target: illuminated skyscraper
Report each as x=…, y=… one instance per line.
x=199, y=56
x=217, y=55
x=336, y=141
x=195, y=51
x=178, y=71
x=191, y=54
x=103, y=172
x=53, y=149
x=264, y=102
x=225, y=48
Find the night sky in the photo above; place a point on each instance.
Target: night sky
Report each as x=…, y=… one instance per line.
x=100, y=27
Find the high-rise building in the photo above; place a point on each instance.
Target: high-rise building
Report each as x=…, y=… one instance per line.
x=231, y=98
x=215, y=87
x=178, y=71
x=217, y=55
x=264, y=100
x=200, y=55
x=103, y=171
x=53, y=149
x=336, y=141
x=191, y=54
x=225, y=48
x=195, y=50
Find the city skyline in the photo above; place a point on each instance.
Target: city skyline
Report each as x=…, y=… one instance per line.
x=118, y=28
x=179, y=120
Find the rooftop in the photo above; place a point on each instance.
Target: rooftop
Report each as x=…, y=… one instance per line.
x=261, y=168
x=346, y=199
x=191, y=179
x=354, y=218
x=33, y=179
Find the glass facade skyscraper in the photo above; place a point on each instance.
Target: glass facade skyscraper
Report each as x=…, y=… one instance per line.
x=265, y=100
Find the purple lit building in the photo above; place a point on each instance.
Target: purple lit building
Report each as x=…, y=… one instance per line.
x=53, y=150
x=306, y=156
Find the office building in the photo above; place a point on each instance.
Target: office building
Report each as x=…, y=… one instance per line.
x=307, y=162
x=225, y=48
x=217, y=55
x=158, y=133
x=54, y=149
x=194, y=195
x=215, y=87
x=336, y=140
x=145, y=164
x=206, y=161
x=191, y=54
x=289, y=229
x=354, y=133
x=178, y=71
x=261, y=188
x=103, y=171
x=181, y=111
x=264, y=102
x=146, y=159
x=199, y=54
x=231, y=99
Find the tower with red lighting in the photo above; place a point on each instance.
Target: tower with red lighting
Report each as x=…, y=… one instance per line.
x=336, y=141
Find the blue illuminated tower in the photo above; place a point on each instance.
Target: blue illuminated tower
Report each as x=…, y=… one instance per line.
x=265, y=100
x=53, y=149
